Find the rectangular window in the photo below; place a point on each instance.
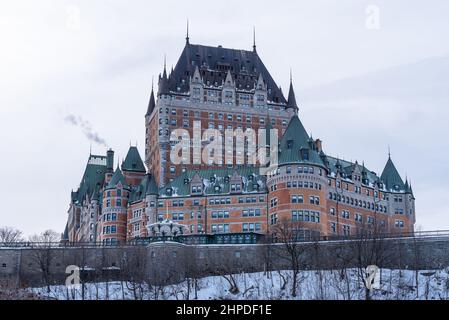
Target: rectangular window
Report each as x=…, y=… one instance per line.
x=345, y=214
x=297, y=199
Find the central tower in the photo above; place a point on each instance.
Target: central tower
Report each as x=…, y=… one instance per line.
x=221, y=89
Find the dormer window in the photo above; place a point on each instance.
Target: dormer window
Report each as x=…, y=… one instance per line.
x=289, y=144
x=196, y=189
x=236, y=187
x=169, y=191
x=305, y=154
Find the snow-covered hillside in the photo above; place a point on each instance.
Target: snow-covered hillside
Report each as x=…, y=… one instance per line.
x=327, y=285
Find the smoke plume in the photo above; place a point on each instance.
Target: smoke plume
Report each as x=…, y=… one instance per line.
x=86, y=127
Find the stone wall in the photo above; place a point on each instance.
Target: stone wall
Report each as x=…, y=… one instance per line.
x=164, y=263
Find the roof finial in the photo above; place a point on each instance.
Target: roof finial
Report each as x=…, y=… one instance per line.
x=389, y=152
x=165, y=62
x=187, y=34
x=90, y=150
x=291, y=75
x=254, y=38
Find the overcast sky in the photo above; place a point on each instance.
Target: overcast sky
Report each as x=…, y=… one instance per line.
x=362, y=84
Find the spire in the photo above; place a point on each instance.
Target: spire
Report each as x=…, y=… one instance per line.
x=291, y=102
x=391, y=177
x=254, y=39
x=152, y=103
x=408, y=187
x=163, y=81
x=187, y=33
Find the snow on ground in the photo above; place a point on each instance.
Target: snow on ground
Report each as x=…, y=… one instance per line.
x=313, y=285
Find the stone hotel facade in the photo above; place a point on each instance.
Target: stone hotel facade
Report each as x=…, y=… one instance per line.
x=225, y=89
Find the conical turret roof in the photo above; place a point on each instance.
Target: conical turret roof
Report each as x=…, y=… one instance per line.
x=390, y=176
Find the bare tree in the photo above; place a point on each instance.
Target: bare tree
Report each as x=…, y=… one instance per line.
x=43, y=253
x=44, y=257
x=289, y=234
x=9, y=236
x=369, y=248
x=133, y=266
x=46, y=238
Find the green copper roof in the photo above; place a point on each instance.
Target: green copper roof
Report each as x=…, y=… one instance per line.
x=152, y=188
x=296, y=146
x=391, y=177
x=147, y=187
x=93, y=178
x=217, y=181
x=133, y=161
x=348, y=168
x=408, y=187
x=116, y=178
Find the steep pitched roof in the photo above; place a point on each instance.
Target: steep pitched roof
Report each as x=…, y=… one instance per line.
x=152, y=188
x=146, y=187
x=93, y=178
x=151, y=104
x=291, y=102
x=133, y=161
x=116, y=179
x=163, y=83
x=214, y=64
x=391, y=177
x=294, y=142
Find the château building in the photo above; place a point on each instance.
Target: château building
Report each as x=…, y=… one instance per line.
x=226, y=89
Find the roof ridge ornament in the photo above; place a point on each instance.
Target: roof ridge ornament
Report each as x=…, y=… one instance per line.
x=291, y=101
x=254, y=39
x=187, y=33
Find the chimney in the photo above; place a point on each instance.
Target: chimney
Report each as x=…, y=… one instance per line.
x=319, y=145
x=110, y=160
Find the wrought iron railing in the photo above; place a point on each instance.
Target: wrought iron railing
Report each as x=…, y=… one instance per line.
x=229, y=239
